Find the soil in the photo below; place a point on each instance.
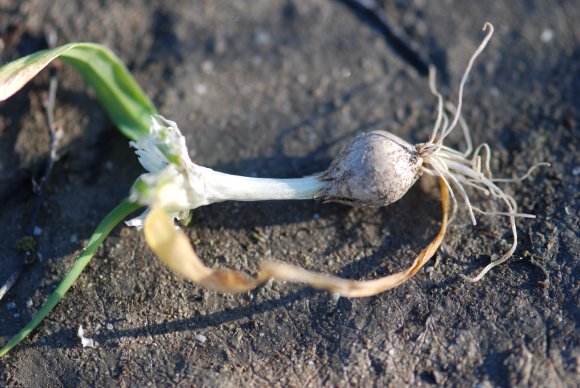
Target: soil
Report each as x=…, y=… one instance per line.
x=276, y=88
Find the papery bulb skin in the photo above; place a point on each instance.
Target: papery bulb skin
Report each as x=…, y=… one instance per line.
x=375, y=169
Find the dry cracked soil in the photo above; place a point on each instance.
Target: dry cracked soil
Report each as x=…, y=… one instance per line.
x=276, y=88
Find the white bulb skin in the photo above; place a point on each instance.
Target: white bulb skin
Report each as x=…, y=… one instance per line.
x=375, y=169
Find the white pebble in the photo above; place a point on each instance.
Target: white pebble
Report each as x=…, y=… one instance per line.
x=207, y=67
x=200, y=89
x=576, y=171
x=547, y=35
x=200, y=338
x=87, y=342
x=335, y=297
x=262, y=38
x=29, y=303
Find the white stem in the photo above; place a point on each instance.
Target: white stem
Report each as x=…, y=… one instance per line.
x=221, y=187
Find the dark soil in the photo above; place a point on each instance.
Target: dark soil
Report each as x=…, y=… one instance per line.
x=275, y=88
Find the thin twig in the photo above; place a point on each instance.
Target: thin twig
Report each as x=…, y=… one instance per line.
x=394, y=35
x=29, y=255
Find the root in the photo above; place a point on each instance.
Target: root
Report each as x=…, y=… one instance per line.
x=458, y=170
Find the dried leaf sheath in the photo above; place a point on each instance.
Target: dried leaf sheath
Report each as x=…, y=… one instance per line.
x=173, y=248
x=361, y=288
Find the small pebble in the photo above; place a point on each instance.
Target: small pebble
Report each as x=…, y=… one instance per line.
x=87, y=342
x=200, y=338
x=37, y=231
x=207, y=67
x=11, y=306
x=29, y=303
x=262, y=38
x=547, y=35
x=576, y=171
x=200, y=89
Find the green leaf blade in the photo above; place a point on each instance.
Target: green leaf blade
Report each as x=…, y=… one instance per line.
x=122, y=98
x=101, y=232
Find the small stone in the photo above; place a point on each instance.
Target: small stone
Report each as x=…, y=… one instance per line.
x=262, y=38
x=207, y=67
x=547, y=35
x=86, y=342
x=200, y=89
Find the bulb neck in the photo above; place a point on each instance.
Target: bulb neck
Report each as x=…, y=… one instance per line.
x=221, y=187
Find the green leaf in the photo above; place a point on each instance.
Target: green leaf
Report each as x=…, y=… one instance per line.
x=125, y=102
x=101, y=232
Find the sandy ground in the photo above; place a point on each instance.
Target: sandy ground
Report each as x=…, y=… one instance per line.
x=275, y=88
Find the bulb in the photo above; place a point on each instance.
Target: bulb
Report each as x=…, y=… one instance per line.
x=375, y=169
